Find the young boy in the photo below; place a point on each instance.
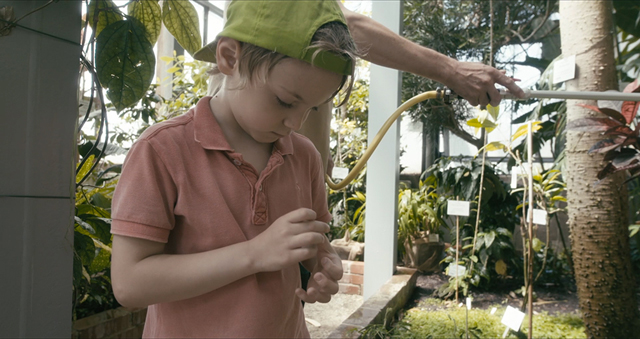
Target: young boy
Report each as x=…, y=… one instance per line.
x=216, y=208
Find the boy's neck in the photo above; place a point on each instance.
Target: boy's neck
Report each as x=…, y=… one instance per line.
x=253, y=152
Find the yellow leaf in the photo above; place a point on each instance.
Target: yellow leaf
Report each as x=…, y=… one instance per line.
x=495, y=146
x=494, y=111
x=474, y=123
x=173, y=69
x=166, y=59
x=522, y=130
x=501, y=267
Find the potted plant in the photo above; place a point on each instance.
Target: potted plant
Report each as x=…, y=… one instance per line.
x=419, y=227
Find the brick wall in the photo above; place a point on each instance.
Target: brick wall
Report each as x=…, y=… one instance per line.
x=118, y=323
x=353, y=277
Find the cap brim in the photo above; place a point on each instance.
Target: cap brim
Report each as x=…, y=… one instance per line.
x=207, y=53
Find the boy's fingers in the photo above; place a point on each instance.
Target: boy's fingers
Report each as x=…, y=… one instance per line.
x=301, y=214
x=333, y=267
x=327, y=286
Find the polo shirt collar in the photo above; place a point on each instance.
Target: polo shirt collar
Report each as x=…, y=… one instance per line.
x=208, y=133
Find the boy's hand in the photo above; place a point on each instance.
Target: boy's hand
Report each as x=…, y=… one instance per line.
x=292, y=238
x=324, y=276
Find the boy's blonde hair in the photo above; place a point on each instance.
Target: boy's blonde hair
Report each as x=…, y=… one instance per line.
x=255, y=63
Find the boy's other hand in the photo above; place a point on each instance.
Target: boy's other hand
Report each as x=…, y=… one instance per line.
x=292, y=238
x=324, y=276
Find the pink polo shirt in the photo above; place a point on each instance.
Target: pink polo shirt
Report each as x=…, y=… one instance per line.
x=183, y=185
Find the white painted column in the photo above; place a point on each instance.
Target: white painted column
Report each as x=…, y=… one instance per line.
x=38, y=118
x=383, y=167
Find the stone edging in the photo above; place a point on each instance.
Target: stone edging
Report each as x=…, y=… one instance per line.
x=383, y=305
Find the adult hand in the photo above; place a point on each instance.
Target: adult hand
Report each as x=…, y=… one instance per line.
x=324, y=276
x=475, y=82
x=292, y=238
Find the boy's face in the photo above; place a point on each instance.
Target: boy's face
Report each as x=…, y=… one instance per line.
x=293, y=90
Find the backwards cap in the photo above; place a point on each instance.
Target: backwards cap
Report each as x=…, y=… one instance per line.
x=283, y=26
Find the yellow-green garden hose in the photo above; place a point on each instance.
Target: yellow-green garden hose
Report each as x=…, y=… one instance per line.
x=376, y=140
x=437, y=94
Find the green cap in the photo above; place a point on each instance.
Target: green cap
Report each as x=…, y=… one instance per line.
x=282, y=26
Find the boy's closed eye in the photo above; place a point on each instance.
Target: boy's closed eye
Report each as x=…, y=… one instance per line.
x=283, y=104
x=290, y=105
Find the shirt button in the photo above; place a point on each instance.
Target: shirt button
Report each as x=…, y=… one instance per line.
x=260, y=188
x=237, y=162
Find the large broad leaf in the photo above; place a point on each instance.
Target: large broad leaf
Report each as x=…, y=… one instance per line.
x=106, y=13
x=606, y=145
x=628, y=16
x=181, y=19
x=630, y=108
x=592, y=124
x=125, y=62
x=625, y=159
x=149, y=14
x=620, y=130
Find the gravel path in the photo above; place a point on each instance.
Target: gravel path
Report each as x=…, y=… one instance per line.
x=324, y=318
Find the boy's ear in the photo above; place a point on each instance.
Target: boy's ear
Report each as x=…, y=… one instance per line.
x=228, y=54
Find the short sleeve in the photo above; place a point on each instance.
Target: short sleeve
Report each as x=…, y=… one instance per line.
x=145, y=196
x=319, y=194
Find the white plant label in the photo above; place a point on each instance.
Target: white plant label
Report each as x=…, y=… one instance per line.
x=468, y=303
x=515, y=171
x=434, y=238
x=564, y=69
x=456, y=270
x=513, y=318
x=340, y=172
x=457, y=207
x=539, y=216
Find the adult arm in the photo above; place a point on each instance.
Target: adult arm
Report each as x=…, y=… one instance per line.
x=473, y=81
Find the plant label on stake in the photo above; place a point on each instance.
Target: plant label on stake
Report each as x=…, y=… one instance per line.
x=455, y=270
x=564, y=69
x=459, y=208
x=512, y=318
x=340, y=173
x=515, y=171
x=539, y=216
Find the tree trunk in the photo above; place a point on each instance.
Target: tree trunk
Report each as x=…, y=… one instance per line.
x=597, y=212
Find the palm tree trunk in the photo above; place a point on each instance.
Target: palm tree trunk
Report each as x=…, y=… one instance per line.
x=597, y=211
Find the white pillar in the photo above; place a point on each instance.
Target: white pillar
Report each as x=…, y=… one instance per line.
x=38, y=118
x=383, y=167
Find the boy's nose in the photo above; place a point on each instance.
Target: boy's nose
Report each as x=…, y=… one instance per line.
x=295, y=121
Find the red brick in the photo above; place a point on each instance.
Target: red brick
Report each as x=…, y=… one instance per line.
x=356, y=267
x=350, y=289
x=355, y=279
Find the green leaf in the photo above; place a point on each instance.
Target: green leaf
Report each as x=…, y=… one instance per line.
x=102, y=261
x=125, y=62
x=489, y=238
x=84, y=248
x=107, y=13
x=181, y=19
x=149, y=14
x=537, y=244
x=85, y=168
